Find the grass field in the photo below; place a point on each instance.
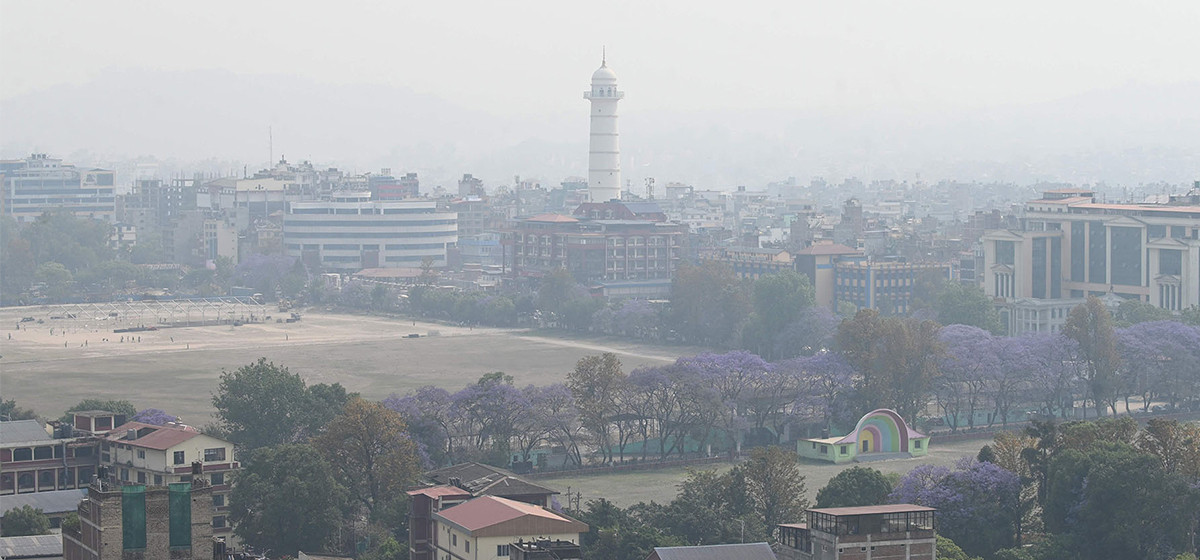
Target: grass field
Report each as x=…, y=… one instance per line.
x=177, y=369
x=626, y=489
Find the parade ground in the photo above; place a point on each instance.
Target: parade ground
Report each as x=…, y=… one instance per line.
x=177, y=369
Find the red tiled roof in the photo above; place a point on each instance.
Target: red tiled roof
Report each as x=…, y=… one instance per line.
x=487, y=511
x=163, y=437
x=868, y=510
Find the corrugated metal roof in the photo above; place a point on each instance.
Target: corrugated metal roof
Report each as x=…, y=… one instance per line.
x=32, y=546
x=747, y=551
x=19, y=431
x=57, y=501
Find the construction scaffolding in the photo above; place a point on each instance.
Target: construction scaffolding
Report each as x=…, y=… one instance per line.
x=154, y=314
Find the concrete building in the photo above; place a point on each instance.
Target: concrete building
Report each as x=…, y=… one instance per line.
x=450, y=486
x=598, y=251
x=487, y=527
x=138, y=522
x=137, y=453
x=33, y=459
x=604, y=148
x=351, y=232
x=888, y=532
x=882, y=285
x=1070, y=247
x=39, y=184
x=751, y=262
x=470, y=185
x=817, y=262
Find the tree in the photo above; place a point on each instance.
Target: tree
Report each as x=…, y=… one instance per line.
x=774, y=486
x=1118, y=503
x=25, y=520
x=1159, y=359
x=977, y=502
x=114, y=406
x=895, y=358
x=810, y=333
x=1174, y=444
x=595, y=383
x=154, y=416
x=286, y=499
x=17, y=263
x=779, y=300
x=57, y=279
x=855, y=486
x=371, y=455
x=616, y=535
x=948, y=550
x=1132, y=311
x=709, y=304
x=10, y=411
x=1090, y=326
x=962, y=304
x=970, y=366
x=261, y=405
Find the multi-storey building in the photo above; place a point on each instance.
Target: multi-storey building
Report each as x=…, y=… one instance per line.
x=351, y=232
x=39, y=184
x=599, y=251
x=487, y=528
x=1070, y=247
x=861, y=533
x=138, y=453
x=450, y=486
x=141, y=522
x=752, y=262
x=34, y=460
x=883, y=285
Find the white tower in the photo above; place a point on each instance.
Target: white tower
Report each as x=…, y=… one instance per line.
x=604, y=153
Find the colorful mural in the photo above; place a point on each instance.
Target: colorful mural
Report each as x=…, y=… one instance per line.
x=880, y=431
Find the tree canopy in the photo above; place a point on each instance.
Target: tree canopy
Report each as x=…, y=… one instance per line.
x=25, y=520
x=286, y=499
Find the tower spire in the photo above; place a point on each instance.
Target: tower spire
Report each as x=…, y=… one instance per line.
x=603, y=55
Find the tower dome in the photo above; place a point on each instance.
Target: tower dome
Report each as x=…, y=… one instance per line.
x=604, y=75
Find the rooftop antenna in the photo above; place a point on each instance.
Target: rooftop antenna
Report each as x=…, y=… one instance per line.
x=270, y=146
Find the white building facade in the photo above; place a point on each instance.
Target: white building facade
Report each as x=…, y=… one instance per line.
x=351, y=233
x=1072, y=247
x=604, y=148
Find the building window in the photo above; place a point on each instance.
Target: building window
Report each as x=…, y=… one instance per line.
x=845, y=449
x=214, y=454
x=218, y=479
x=218, y=500
x=125, y=475
x=501, y=550
x=824, y=449
x=467, y=544
x=219, y=522
x=141, y=477
x=453, y=539
x=141, y=454
x=22, y=454
x=178, y=457
x=158, y=480
x=916, y=444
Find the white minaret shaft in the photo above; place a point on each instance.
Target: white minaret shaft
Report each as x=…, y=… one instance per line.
x=604, y=154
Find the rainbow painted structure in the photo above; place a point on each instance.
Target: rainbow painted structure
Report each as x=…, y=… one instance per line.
x=879, y=434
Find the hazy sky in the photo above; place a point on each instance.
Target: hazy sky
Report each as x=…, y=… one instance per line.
x=526, y=56
x=764, y=67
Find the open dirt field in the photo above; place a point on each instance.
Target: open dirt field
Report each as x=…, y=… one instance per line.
x=176, y=369
x=626, y=489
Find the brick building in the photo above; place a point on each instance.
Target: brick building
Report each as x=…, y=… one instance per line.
x=138, y=522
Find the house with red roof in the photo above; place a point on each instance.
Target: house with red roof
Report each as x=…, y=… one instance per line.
x=138, y=453
x=488, y=527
